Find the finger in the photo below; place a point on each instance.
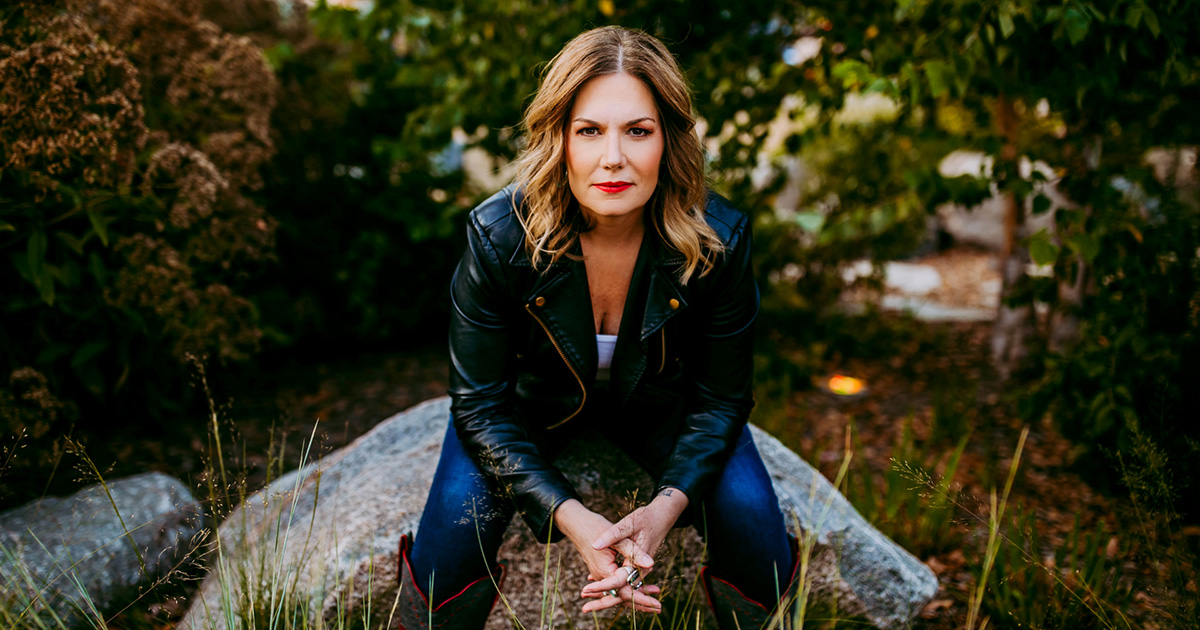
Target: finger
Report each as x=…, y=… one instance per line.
x=640, y=601
x=635, y=554
x=622, y=529
x=650, y=589
x=604, y=603
x=616, y=580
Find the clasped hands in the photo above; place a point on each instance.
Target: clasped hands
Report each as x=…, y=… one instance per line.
x=635, y=538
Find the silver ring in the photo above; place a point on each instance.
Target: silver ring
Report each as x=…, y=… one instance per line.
x=637, y=586
x=612, y=592
x=632, y=574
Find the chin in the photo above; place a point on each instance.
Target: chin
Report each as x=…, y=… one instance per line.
x=609, y=207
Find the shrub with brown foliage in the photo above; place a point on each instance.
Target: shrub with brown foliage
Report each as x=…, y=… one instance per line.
x=70, y=105
x=132, y=135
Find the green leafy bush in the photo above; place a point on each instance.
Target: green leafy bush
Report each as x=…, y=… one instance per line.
x=1089, y=89
x=385, y=105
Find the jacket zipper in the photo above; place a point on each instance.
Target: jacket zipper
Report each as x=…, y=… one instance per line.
x=662, y=366
x=562, y=354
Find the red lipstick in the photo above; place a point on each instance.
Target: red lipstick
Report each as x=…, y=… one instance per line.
x=613, y=187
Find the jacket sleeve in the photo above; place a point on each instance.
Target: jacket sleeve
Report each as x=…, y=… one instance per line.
x=720, y=367
x=483, y=322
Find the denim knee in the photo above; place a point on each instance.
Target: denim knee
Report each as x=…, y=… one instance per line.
x=462, y=526
x=744, y=528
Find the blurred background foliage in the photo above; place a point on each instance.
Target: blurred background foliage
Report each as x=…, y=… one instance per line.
x=251, y=181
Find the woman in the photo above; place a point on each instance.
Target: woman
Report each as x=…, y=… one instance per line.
x=608, y=292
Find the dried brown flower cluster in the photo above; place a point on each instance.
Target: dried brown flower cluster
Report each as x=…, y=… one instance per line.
x=157, y=121
x=217, y=93
x=36, y=420
x=70, y=106
x=218, y=89
x=29, y=407
x=164, y=284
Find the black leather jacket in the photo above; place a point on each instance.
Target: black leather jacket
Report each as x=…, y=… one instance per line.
x=523, y=354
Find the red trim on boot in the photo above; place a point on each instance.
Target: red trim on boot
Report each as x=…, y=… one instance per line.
x=706, y=576
x=405, y=568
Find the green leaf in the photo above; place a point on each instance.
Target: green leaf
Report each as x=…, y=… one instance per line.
x=939, y=75
x=278, y=54
x=99, y=271
x=99, y=223
x=853, y=73
x=87, y=352
x=1134, y=15
x=811, y=221
x=74, y=244
x=1086, y=245
x=53, y=352
x=1002, y=53
x=35, y=259
x=1006, y=22
x=35, y=251
x=883, y=86
x=7, y=227
x=1041, y=203
x=1041, y=250
x=21, y=264
x=1076, y=23
x=1151, y=21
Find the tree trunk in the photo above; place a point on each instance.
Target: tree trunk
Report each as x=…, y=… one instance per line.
x=1015, y=325
x=1064, y=319
x=1073, y=283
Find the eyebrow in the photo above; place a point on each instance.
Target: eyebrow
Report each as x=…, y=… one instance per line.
x=635, y=121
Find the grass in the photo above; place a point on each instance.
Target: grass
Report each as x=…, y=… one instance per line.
x=1020, y=578
x=1001, y=564
x=908, y=502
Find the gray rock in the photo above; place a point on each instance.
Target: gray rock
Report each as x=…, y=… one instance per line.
x=911, y=278
x=324, y=537
x=930, y=311
x=73, y=556
x=902, y=277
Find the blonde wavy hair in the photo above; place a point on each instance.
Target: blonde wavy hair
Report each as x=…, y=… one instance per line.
x=551, y=216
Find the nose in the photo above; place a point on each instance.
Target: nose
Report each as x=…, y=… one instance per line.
x=614, y=154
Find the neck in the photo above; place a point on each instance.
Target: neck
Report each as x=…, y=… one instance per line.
x=620, y=230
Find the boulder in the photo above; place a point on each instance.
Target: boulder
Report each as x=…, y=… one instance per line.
x=325, y=536
x=71, y=556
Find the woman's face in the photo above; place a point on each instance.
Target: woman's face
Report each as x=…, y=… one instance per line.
x=614, y=146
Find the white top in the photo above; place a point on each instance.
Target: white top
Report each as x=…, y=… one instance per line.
x=605, y=344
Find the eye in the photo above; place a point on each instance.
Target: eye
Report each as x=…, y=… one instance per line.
x=587, y=131
x=640, y=132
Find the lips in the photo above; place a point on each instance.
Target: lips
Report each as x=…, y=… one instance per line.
x=613, y=187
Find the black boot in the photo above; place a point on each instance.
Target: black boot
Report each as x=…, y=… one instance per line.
x=735, y=611
x=468, y=610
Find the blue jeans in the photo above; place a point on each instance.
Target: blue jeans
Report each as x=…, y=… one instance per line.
x=465, y=520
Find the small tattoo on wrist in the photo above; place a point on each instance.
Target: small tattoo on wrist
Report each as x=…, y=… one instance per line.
x=665, y=493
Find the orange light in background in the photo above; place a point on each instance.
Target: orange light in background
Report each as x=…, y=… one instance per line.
x=845, y=385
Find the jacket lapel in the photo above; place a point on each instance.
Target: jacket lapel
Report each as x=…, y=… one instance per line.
x=560, y=300
x=647, y=310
